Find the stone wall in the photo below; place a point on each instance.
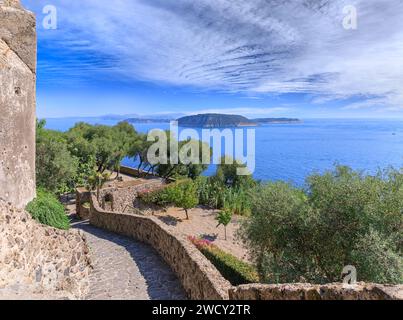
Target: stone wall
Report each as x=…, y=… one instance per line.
x=201, y=280
x=198, y=276
x=82, y=196
x=36, y=259
x=123, y=197
x=17, y=103
x=337, y=291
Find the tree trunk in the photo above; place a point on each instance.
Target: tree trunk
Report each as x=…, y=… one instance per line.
x=98, y=192
x=187, y=214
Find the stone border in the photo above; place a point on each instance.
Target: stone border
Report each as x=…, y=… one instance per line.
x=301, y=291
x=199, y=278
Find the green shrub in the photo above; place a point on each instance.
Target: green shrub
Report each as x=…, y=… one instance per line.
x=341, y=218
x=233, y=269
x=165, y=195
x=47, y=210
x=377, y=259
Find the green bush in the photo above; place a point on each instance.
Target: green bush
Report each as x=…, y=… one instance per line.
x=47, y=210
x=341, y=218
x=165, y=195
x=233, y=269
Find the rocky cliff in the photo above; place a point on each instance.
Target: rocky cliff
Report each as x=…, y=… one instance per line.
x=17, y=103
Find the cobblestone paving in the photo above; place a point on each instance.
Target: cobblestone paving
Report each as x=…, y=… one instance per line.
x=125, y=269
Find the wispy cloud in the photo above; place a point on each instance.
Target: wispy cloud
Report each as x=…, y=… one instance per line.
x=243, y=111
x=256, y=47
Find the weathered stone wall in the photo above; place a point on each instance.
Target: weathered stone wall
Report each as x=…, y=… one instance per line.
x=17, y=103
x=82, y=196
x=337, y=291
x=198, y=276
x=37, y=259
x=122, y=197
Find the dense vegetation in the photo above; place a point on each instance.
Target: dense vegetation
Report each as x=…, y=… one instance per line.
x=225, y=190
x=86, y=152
x=341, y=218
x=233, y=269
x=47, y=210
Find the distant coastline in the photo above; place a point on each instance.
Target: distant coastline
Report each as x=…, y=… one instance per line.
x=142, y=121
x=193, y=121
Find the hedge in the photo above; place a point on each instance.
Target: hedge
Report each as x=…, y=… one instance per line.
x=236, y=271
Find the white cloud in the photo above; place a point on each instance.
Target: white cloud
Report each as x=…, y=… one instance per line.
x=247, y=112
x=255, y=46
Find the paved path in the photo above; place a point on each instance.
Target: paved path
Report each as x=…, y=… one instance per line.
x=125, y=269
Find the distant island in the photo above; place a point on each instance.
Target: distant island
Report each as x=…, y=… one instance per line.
x=212, y=120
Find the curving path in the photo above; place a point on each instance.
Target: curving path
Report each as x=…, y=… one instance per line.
x=125, y=269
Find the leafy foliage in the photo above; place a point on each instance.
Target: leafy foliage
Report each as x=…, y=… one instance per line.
x=227, y=174
x=106, y=146
x=56, y=167
x=342, y=218
x=233, y=269
x=67, y=160
x=187, y=198
x=182, y=194
x=47, y=210
x=215, y=194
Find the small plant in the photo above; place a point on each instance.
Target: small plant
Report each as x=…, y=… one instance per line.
x=48, y=210
x=187, y=197
x=224, y=218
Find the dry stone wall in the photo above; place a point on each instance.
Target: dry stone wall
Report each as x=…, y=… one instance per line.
x=17, y=103
x=198, y=276
x=121, y=198
x=337, y=291
x=40, y=259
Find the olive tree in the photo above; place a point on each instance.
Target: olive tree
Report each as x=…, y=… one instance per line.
x=341, y=218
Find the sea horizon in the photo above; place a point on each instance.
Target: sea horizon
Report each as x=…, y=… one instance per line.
x=291, y=152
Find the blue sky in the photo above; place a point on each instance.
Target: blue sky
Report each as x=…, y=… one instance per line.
x=258, y=58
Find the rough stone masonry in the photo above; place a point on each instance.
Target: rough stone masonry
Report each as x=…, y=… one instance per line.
x=17, y=103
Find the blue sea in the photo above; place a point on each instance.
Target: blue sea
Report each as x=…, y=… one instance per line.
x=291, y=152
